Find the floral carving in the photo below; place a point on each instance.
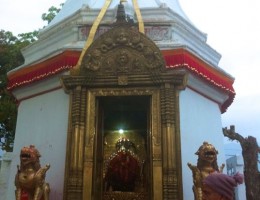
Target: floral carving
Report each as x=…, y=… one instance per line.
x=122, y=50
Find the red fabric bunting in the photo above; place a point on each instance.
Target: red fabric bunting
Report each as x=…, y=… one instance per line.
x=39, y=71
x=177, y=59
x=174, y=59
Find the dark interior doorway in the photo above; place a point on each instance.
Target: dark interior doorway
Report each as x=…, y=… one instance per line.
x=122, y=145
x=125, y=112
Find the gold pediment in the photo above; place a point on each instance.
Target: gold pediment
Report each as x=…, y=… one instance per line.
x=122, y=50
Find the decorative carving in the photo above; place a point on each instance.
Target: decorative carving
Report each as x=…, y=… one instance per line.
x=170, y=185
x=158, y=33
x=123, y=92
x=170, y=177
x=125, y=196
x=30, y=178
x=122, y=80
x=167, y=105
x=207, y=164
x=122, y=50
x=76, y=144
x=155, y=33
x=78, y=111
x=93, y=60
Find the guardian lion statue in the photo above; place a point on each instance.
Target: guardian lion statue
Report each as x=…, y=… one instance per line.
x=207, y=164
x=30, y=178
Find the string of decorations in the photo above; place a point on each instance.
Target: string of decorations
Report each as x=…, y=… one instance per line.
x=36, y=78
x=193, y=69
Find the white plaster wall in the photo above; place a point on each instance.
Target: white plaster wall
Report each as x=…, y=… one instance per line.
x=200, y=120
x=43, y=122
x=4, y=173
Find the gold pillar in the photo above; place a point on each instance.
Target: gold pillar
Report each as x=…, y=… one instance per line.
x=75, y=156
x=156, y=147
x=170, y=177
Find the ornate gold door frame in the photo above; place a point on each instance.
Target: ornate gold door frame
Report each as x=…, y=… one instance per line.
x=154, y=134
x=165, y=167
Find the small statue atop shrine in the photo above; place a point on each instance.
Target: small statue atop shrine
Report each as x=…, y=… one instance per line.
x=30, y=178
x=206, y=165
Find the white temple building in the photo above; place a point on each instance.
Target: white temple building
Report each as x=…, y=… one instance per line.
x=176, y=110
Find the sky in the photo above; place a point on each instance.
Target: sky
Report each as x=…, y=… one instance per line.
x=233, y=30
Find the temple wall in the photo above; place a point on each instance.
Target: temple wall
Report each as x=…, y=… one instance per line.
x=5, y=164
x=43, y=122
x=200, y=120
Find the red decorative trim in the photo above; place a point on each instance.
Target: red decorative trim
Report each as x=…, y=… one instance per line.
x=175, y=59
x=39, y=71
x=193, y=64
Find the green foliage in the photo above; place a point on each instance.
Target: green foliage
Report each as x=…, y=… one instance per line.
x=11, y=57
x=28, y=37
x=8, y=114
x=52, y=12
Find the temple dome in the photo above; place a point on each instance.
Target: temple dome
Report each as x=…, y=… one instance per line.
x=71, y=6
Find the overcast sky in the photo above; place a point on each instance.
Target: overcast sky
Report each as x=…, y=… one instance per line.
x=233, y=29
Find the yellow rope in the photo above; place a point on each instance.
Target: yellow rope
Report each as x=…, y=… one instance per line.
x=139, y=16
x=93, y=31
x=96, y=23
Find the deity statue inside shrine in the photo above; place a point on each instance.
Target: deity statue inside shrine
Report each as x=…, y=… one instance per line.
x=123, y=168
x=30, y=178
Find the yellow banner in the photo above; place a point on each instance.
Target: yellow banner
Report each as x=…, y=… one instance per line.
x=96, y=23
x=139, y=16
x=93, y=31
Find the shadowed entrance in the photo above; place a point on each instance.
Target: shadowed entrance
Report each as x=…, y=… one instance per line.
x=122, y=141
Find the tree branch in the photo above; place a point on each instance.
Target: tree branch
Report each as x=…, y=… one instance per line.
x=232, y=135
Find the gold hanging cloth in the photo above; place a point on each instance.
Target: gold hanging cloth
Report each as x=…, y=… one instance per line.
x=92, y=32
x=139, y=16
x=96, y=23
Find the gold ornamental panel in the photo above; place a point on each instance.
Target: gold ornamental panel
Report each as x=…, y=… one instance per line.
x=125, y=196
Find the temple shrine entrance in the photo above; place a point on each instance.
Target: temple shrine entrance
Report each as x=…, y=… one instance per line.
x=122, y=147
x=123, y=137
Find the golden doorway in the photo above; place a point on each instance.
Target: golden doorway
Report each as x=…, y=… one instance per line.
x=122, y=154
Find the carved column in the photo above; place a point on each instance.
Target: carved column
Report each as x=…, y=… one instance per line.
x=74, y=187
x=170, y=180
